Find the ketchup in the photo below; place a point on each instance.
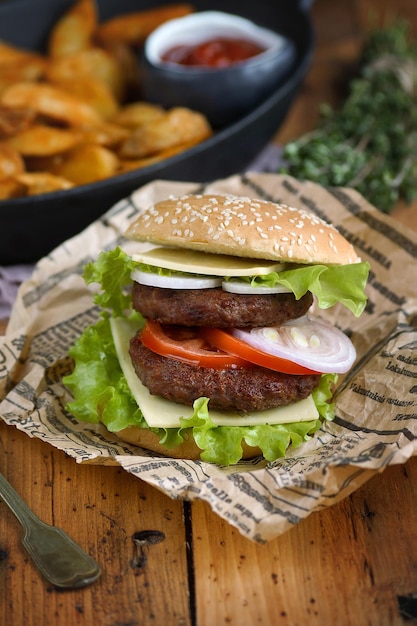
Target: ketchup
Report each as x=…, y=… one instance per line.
x=220, y=52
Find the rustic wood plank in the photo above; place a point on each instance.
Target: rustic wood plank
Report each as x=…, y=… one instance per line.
x=344, y=565
x=101, y=508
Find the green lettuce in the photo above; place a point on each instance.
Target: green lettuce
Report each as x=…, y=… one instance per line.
x=101, y=393
x=329, y=283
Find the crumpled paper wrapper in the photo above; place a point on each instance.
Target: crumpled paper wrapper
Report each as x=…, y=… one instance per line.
x=375, y=423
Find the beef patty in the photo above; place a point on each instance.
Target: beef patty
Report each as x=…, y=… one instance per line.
x=244, y=390
x=216, y=307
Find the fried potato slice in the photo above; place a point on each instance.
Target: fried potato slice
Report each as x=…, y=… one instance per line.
x=10, y=54
x=94, y=93
x=92, y=63
x=128, y=63
x=138, y=114
x=11, y=188
x=41, y=140
x=135, y=164
x=107, y=134
x=178, y=126
x=51, y=102
x=14, y=120
x=74, y=31
x=19, y=66
x=87, y=164
x=42, y=182
x=133, y=28
x=11, y=161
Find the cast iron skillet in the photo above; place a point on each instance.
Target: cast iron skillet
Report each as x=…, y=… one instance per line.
x=31, y=227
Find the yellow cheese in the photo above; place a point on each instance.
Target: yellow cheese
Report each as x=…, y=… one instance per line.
x=195, y=262
x=161, y=413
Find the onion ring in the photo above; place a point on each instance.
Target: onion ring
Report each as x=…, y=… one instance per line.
x=308, y=341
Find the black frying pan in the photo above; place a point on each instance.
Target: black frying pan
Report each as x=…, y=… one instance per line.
x=31, y=227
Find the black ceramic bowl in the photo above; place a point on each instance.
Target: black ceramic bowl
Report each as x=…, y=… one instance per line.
x=31, y=227
x=223, y=93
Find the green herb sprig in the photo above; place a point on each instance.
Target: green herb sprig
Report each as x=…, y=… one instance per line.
x=370, y=142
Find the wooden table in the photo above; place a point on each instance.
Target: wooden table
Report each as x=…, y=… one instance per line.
x=353, y=564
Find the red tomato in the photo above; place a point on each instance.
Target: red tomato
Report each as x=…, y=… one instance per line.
x=227, y=342
x=186, y=344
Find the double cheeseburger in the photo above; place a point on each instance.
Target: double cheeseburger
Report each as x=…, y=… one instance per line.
x=207, y=346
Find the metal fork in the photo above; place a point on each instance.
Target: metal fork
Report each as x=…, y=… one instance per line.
x=59, y=559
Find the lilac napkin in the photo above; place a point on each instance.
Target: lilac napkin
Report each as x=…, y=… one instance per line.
x=10, y=279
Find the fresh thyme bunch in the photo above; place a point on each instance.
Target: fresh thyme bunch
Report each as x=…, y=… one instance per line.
x=370, y=143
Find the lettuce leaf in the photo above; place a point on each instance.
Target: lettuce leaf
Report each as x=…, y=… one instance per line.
x=329, y=283
x=112, y=271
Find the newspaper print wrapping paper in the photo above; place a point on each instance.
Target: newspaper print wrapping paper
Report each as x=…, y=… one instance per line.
x=376, y=413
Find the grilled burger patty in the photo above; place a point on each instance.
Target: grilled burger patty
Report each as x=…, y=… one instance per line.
x=252, y=389
x=216, y=307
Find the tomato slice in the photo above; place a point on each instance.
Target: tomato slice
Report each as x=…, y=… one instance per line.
x=228, y=343
x=187, y=345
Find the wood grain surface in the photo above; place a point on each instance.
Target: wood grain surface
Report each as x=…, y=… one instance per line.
x=353, y=564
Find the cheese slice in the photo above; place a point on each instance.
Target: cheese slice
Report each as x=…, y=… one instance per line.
x=162, y=413
x=195, y=262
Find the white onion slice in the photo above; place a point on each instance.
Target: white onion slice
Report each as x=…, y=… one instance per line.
x=241, y=287
x=175, y=281
x=308, y=341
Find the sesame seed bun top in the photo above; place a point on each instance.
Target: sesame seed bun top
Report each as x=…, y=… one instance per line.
x=242, y=226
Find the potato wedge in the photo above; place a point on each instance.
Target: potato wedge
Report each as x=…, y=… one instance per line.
x=133, y=28
x=74, y=31
x=178, y=126
x=11, y=161
x=127, y=60
x=42, y=182
x=11, y=188
x=138, y=114
x=87, y=164
x=24, y=67
x=14, y=120
x=92, y=63
x=134, y=164
x=51, y=102
x=94, y=93
x=10, y=54
x=107, y=134
x=41, y=140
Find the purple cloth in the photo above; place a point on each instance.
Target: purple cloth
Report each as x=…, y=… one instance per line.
x=10, y=279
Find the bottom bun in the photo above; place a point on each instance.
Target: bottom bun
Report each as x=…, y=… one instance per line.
x=147, y=439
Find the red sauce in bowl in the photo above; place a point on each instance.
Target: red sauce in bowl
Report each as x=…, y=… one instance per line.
x=220, y=52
